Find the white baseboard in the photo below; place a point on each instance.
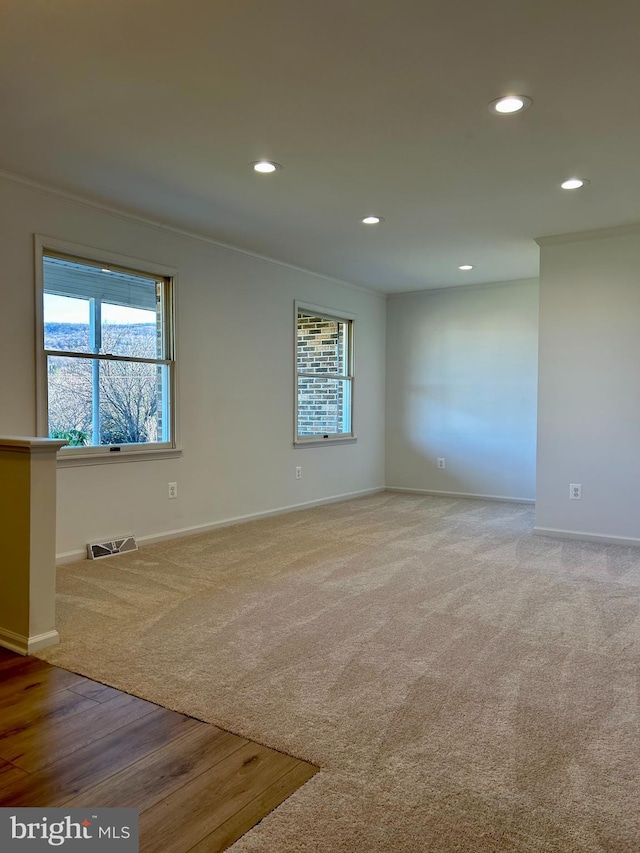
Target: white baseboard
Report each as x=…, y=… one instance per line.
x=81, y=553
x=438, y=494
x=27, y=645
x=586, y=537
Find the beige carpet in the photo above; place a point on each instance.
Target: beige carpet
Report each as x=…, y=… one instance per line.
x=464, y=685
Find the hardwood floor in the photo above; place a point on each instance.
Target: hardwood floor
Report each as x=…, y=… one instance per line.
x=68, y=741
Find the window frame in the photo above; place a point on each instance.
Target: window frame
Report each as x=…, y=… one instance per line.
x=300, y=441
x=99, y=454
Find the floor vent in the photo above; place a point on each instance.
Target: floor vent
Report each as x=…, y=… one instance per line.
x=99, y=550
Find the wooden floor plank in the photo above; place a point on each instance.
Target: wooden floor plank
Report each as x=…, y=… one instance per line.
x=7, y=656
x=155, y=777
x=10, y=775
x=183, y=819
x=29, y=684
x=12, y=662
x=67, y=778
x=250, y=814
x=94, y=690
x=17, y=718
x=44, y=743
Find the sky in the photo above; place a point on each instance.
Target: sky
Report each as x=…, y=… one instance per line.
x=63, y=309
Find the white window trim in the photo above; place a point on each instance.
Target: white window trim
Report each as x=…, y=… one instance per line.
x=73, y=457
x=300, y=442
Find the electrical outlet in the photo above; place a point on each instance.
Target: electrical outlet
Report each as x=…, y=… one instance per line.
x=441, y=463
x=298, y=472
x=173, y=490
x=575, y=491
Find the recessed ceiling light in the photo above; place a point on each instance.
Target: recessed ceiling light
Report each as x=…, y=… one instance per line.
x=510, y=104
x=265, y=166
x=466, y=267
x=574, y=183
x=371, y=220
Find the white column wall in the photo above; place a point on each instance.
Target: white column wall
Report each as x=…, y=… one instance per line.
x=589, y=389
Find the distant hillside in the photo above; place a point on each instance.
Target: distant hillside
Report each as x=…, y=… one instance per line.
x=140, y=338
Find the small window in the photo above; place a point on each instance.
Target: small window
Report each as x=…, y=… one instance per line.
x=324, y=376
x=107, y=354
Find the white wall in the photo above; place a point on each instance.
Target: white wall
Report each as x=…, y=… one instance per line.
x=589, y=394
x=461, y=384
x=235, y=374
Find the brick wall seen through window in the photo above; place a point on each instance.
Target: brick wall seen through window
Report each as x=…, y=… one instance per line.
x=323, y=362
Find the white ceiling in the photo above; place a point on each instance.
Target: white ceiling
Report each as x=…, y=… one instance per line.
x=158, y=107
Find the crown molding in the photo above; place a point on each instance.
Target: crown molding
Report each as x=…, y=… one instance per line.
x=581, y=236
x=480, y=285
x=121, y=213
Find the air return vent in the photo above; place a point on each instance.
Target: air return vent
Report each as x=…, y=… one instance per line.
x=99, y=550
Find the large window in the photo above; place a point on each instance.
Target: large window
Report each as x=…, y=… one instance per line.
x=106, y=350
x=324, y=376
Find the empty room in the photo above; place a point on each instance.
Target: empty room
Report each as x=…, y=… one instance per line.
x=320, y=425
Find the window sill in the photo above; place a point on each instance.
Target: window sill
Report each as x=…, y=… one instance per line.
x=322, y=442
x=67, y=460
